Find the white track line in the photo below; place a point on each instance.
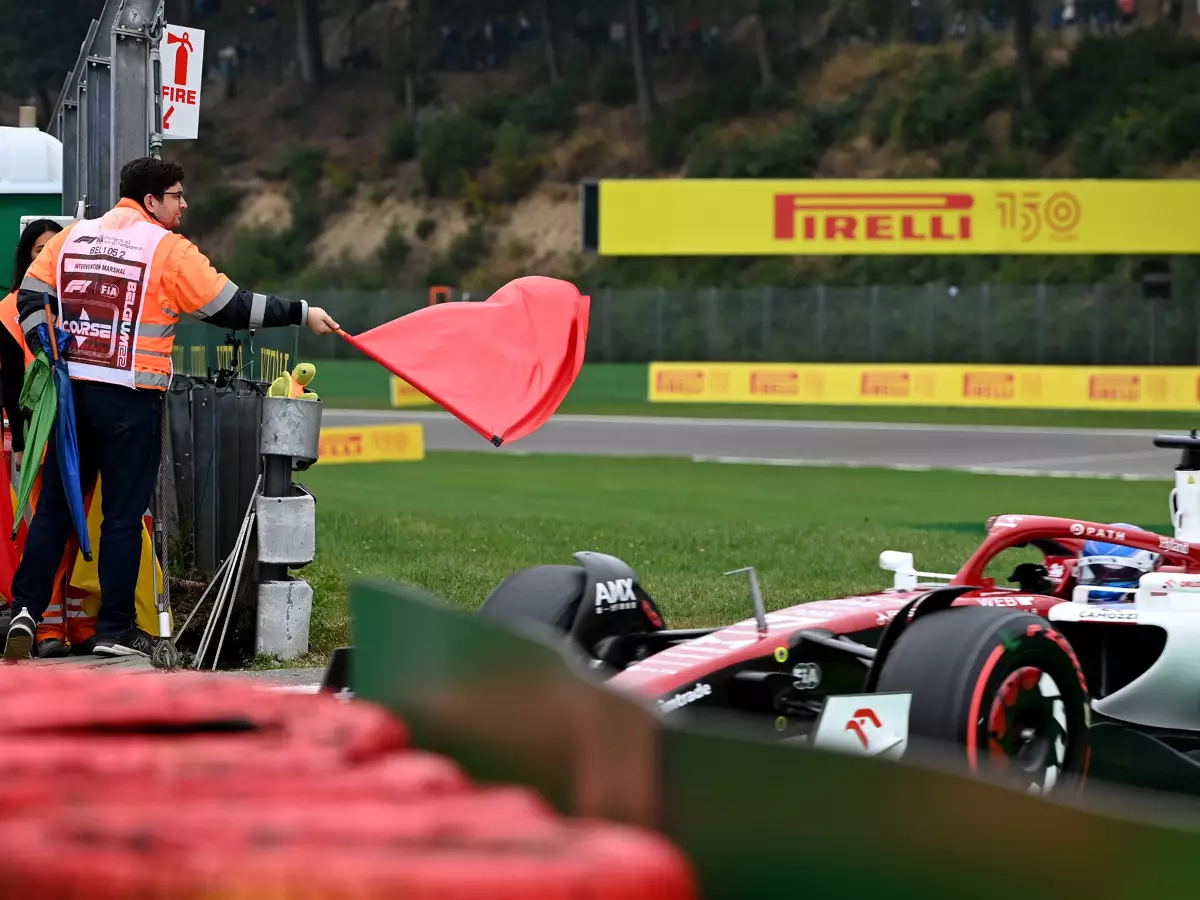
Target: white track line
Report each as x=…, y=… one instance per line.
x=912, y=467
x=1096, y=457
x=794, y=424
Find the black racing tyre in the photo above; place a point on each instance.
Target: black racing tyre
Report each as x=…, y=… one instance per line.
x=1003, y=685
x=548, y=595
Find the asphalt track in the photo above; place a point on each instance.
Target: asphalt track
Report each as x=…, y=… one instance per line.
x=1053, y=452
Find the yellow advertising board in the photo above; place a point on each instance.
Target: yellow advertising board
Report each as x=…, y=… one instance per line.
x=371, y=443
x=852, y=384
x=404, y=394
x=863, y=217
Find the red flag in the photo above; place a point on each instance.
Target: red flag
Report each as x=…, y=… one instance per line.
x=502, y=366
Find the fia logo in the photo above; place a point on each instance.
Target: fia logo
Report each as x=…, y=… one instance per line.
x=615, y=595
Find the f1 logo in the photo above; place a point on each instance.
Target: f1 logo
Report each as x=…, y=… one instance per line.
x=861, y=718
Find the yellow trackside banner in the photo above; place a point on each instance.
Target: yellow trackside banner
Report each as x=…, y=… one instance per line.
x=862, y=217
x=404, y=394
x=372, y=443
x=847, y=384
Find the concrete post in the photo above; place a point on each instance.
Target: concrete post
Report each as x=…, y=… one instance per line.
x=286, y=526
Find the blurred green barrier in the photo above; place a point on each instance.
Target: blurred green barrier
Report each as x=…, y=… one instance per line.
x=756, y=819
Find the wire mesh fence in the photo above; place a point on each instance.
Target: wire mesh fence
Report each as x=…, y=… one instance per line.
x=1101, y=324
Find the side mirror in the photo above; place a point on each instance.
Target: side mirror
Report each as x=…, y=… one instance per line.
x=902, y=564
x=896, y=561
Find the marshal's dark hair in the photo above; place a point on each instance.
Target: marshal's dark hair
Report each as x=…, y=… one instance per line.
x=24, y=255
x=149, y=176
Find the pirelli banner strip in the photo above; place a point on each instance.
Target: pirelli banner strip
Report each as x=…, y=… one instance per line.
x=1046, y=387
x=371, y=443
x=860, y=217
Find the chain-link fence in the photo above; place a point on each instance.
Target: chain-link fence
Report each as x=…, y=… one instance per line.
x=1101, y=324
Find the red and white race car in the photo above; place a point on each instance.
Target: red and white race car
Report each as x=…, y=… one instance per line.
x=1028, y=681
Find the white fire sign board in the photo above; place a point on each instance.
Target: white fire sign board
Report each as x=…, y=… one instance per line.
x=182, y=53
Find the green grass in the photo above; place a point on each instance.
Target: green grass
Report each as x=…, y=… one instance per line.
x=458, y=523
x=620, y=390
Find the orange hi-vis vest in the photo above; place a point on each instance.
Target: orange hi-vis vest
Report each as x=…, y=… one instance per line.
x=10, y=317
x=108, y=299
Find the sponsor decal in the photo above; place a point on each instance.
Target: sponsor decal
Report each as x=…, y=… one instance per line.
x=680, y=381
x=1115, y=388
x=863, y=720
x=1172, y=585
x=773, y=382
x=781, y=654
x=806, y=676
x=1080, y=530
x=910, y=218
x=1173, y=545
x=699, y=692
x=1111, y=615
x=1057, y=571
x=1005, y=601
x=885, y=384
x=85, y=239
x=612, y=596
x=989, y=385
x=1005, y=522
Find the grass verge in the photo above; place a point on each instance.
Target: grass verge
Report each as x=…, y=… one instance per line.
x=620, y=390
x=458, y=523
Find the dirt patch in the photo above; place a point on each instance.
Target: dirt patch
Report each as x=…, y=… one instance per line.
x=607, y=142
x=268, y=209
x=848, y=69
x=357, y=234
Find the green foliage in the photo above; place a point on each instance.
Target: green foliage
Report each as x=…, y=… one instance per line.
x=210, y=208
x=401, y=140
x=425, y=228
x=466, y=252
x=791, y=151
x=517, y=164
x=452, y=147
x=301, y=164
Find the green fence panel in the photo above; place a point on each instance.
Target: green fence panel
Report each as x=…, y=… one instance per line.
x=201, y=349
x=755, y=818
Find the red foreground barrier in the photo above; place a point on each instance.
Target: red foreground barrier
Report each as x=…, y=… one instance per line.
x=201, y=786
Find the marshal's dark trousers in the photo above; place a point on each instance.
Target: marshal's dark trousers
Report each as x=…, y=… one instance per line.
x=119, y=432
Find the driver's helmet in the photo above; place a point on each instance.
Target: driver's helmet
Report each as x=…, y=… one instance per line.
x=1114, y=566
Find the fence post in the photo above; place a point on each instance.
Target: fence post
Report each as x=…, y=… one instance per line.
x=712, y=323
x=767, y=293
x=608, y=325
x=875, y=323
x=659, y=338
x=931, y=320
x=821, y=322
x=1040, y=323
x=985, y=332
x=1152, y=337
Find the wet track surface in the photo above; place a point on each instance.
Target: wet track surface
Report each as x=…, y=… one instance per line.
x=1017, y=451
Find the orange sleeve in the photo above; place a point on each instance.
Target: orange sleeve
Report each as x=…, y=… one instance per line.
x=196, y=284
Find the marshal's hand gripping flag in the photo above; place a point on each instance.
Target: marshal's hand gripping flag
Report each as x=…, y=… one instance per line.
x=502, y=366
